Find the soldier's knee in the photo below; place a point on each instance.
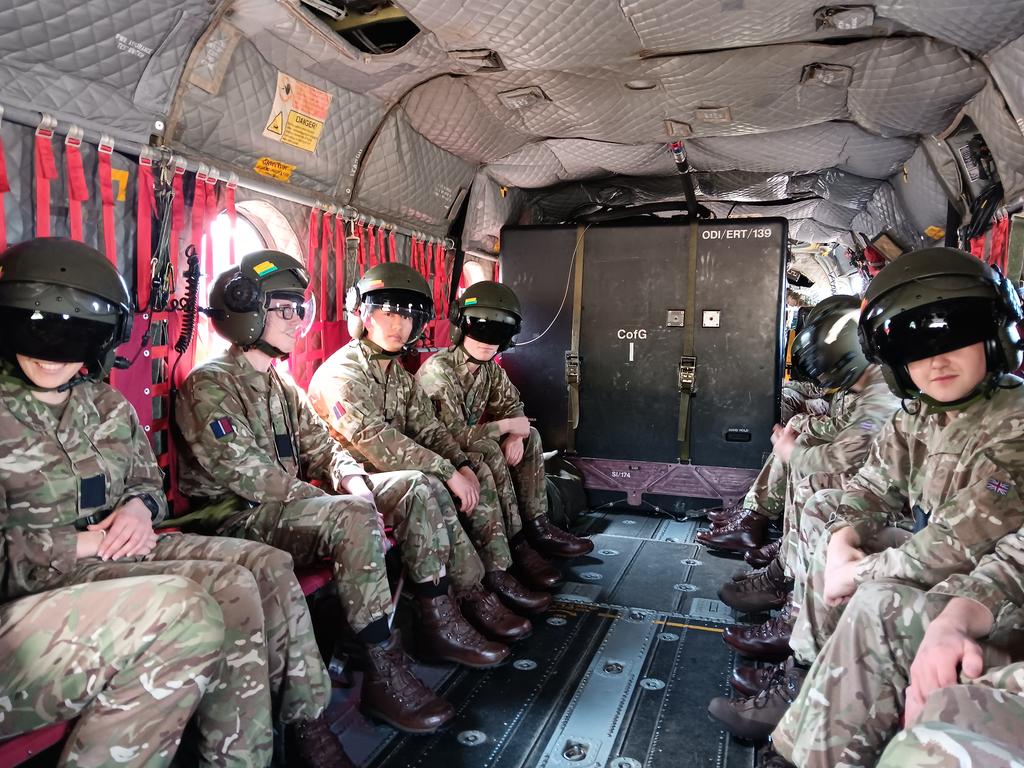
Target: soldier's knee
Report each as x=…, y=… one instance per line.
x=488, y=448
x=195, y=607
x=533, y=441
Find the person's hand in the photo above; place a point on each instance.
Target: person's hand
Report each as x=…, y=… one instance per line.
x=513, y=449
x=466, y=488
x=947, y=648
x=783, y=442
x=517, y=426
x=129, y=530
x=87, y=543
x=841, y=567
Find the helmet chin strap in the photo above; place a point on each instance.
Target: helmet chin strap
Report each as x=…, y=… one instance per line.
x=379, y=352
x=269, y=349
x=472, y=359
x=982, y=390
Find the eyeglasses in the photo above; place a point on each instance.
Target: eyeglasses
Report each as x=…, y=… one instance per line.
x=289, y=311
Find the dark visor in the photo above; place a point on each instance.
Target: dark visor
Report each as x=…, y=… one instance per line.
x=488, y=331
x=934, y=329
x=55, y=338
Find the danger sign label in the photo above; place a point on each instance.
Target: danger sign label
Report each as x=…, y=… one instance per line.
x=298, y=114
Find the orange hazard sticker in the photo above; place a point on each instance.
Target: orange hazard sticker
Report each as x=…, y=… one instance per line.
x=273, y=169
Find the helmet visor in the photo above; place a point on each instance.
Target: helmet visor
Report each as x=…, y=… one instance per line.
x=303, y=307
x=932, y=329
x=408, y=304
x=55, y=338
x=490, y=326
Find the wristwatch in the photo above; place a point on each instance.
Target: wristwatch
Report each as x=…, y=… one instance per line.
x=151, y=504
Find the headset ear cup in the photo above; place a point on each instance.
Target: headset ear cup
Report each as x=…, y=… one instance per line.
x=242, y=294
x=455, y=321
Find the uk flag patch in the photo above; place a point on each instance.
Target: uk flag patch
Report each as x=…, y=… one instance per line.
x=337, y=410
x=998, y=486
x=868, y=426
x=222, y=427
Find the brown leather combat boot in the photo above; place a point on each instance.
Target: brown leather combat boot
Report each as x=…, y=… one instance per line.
x=722, y=515
x=745, y=532
x=532, y=569
x=312, y=744
x=760, y=557
x=392, y=693
x=486, y=613
x=747, y=679
x=755, y=717
x=765, y=642
x=515, y=595
x=551, y=540
x=443, y=634
x=761, y=590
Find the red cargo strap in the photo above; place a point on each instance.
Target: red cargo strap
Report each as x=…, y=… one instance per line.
x=145, y=205
x=326, y=237
x=45, y=172
x=496, y=272
x=177, y=214
x=393, y=245
x=211, y=216
x=78, y=190
x=313, y=245
x=371, y=244
x=341, y=252
x=5, y=187
x=361, y=250
x=229, y=206
x=382, y=254
x=439, y=275
x=199, y=220
x=104, y=152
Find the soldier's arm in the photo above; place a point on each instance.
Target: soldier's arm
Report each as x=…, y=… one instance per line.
x=878, y=490
x=223, y=442
x=428, y=430
x=998, y=580
x=963, y=530
x=385, y=447
x=844, y=453
x=447, y=401
x=144, y=477
x=818, y=427
x=322, y=456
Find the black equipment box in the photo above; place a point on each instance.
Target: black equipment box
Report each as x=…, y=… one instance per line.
x=634, y=357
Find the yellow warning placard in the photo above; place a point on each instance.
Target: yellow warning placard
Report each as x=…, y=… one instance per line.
x=273, y=169
x=935, y=232
x=298, y=114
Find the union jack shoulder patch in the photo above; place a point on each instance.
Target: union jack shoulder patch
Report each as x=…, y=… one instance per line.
x=998, y=486
x=868, y=426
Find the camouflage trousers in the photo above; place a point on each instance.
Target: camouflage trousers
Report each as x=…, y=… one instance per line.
x=130, y=659
x=964, y=726
x=767, y=494
x=851, y=702
x=488, y=549
x=521, y=487
x=273, y=664
x=794, y=402
x=814, y=499
x=816, y=621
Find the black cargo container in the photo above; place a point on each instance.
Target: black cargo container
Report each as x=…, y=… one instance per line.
x=634, y=318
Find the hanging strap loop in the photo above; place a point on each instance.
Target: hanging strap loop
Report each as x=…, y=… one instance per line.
x=145, y=206
x=232, y=211
x=45, y=172
x=572, y=355
x=5, y=187
x=104, y=155
x=78, y=190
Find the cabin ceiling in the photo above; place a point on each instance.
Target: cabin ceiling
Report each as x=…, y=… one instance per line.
x=780, y=113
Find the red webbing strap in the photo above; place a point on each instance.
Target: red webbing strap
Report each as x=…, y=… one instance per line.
x=393, y=245
x=211, y=215
x=78, y=190
x=496, y=273
x=371, y=239
x=229, y=206
x=313, y=244
x=177, y=215
x=45, y=172
x=341, y=252
x=326, y=237
x=5, y=187
x=361, y=250
x=145, y=207
x=382, y=254
x=439, y=270
x=104, y=153
x=414, y=254
x=199, y=220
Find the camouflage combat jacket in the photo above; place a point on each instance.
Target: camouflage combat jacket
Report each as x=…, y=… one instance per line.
x=468, y=403
x=824, y=427
x=253, y=435
x=379, y=415
x=92, y=459
x=961, y=472
x=857, y=423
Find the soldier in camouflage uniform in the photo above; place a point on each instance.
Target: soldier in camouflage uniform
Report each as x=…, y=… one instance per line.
x=128, y=659
x=372, y=408
x=943, y=326
x=803, y=398
x=829, y=351
x=481, y=408
x=251, y=447
x=82, y=490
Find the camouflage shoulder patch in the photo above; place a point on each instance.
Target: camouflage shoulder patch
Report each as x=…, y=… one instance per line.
x=998, y=487
x=222, y=427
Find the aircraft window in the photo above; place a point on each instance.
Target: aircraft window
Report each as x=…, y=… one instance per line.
x=474, y=272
